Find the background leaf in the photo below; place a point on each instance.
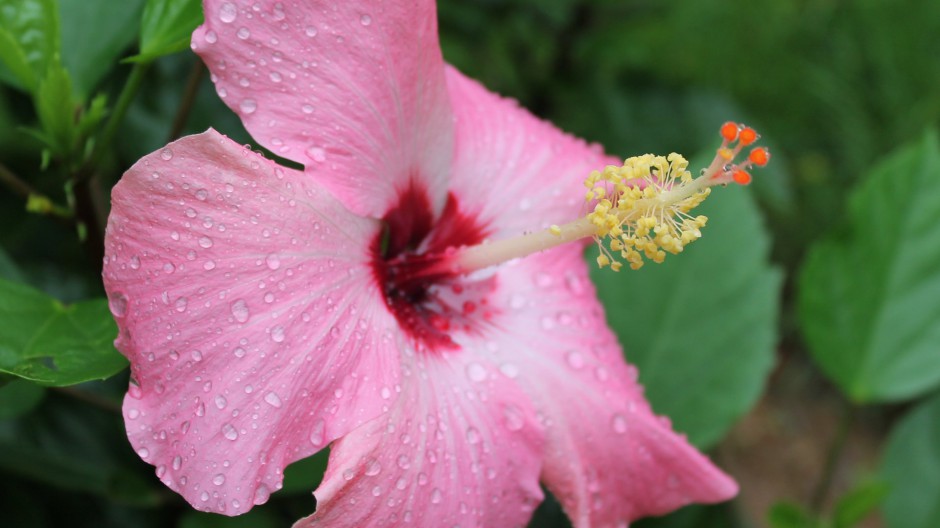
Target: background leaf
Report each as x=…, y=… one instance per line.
x=869, y=295
x=167, y=27
x=911, y=469
x=97, y=32
x=29, y=40
x=701, y=327
x=50, y=343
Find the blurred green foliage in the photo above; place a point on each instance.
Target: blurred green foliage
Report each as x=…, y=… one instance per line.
x=833, y=85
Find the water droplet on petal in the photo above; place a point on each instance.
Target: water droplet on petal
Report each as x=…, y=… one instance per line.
x=619, y=423
x=220, y=401
x=243, y=33
x=228, y=12
x=373, y=467
x=181, y=304
x=476, y=372
x=205, y=242
x=135, y=262
x=365, y=20
x=272, y=399
x=143, y=452
x=262, y=494
x=240, y=310
x=404, y=462
x=310, y=31
x=317, y=154
x=118, y=304
x=211, y=37
x=248, y=106
x=575, y=359
x=307, y=109
x=436, y=496
x=509, y=370
x=229, y=432
x=514, y=417
x=219, y=479
x=317, y=433
x=473, y=435
x=273, y=261
x=166, y=154
x=177, y=462
x=209, y=265
x=277, y=334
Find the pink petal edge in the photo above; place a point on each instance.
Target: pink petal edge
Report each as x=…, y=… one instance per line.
x=461, y=446
x=356, y=94
x=609, y=460
x=246, y=304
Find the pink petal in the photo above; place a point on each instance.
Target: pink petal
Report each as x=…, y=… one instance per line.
x=247, y=307
x=513, y=170
x=609, y=459
x=461, y=446
x=353, y=90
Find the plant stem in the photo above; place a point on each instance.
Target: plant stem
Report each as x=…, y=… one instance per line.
x=15, y=183
x=104, y=140
x=189, y=97
x=836, y=449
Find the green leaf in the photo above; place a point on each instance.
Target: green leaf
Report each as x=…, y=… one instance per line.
x=869, y=295
x=858, y=504
x=18, y=397
x=53, y=344
x=29, y=40
x=56, y=110
x=256, y=518
x=167, y=27
x=701, y=327
x=911, y=469
x=89, y=54
x=8, y=269
x=304, y=476
x=788, y=515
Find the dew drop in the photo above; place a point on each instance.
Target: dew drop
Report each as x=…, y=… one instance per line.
x=365, y=20
x=135, y=262
x=228, y=12
x=118, y=304
x=619, y=423
x=404, y=462
x=181, y=304
x=169, y=268
x=476, y=372
x=220, y=402
x=177, y=463
x=219, y=479
x=229, y=432
x=317, y=154
x=273, y=261
x=509, y=370
x=307, y=109
x=204, y=496
x=243, y=33
x=211, y=37
x=436, y=496
x=262, y=494
x=273, y=399
x=473, y=435
x=143, y=452
x=373, y=467
x=574, y=359
x=277, y=334
x=248, y=106
x=310, y=31
x=514, y=417
x=209, y=265
x=317, y=433
x=240, y=310
x=205, y=242
x=166, y=154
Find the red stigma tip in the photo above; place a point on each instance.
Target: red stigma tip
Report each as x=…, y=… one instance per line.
x=747, y=136
x=729, y=131
x=759, y=156
x=741, y=177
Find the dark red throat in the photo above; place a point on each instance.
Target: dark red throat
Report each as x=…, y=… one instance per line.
x=413, y=267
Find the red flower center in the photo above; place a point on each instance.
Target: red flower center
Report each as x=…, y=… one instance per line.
x=412, y=266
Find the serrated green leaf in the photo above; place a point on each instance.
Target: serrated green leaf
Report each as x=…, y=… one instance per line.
x=702, y=326
x=89, y=54
x=911, y=469
x=29, y=39
x=869, y=295
x=53, y=344
x=858, y=504
x=167, y=27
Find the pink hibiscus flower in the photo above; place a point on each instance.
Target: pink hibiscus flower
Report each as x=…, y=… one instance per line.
x=269, y=312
